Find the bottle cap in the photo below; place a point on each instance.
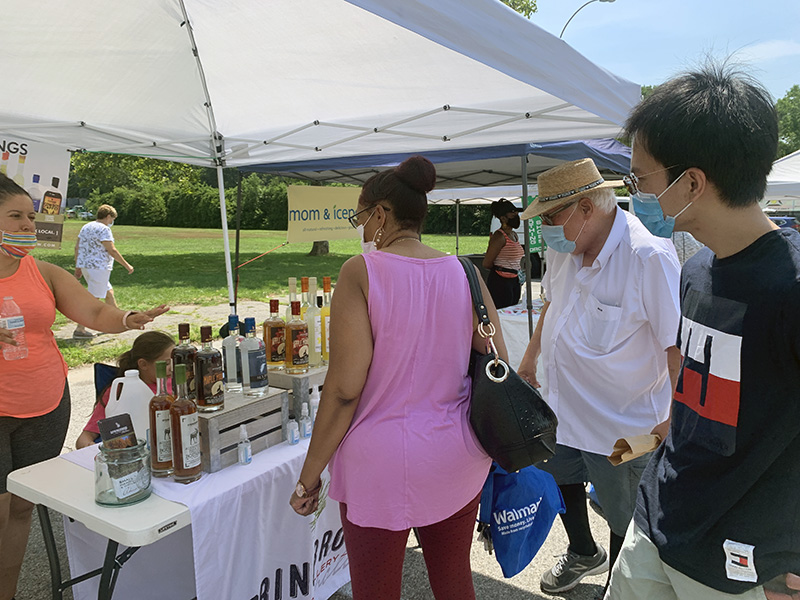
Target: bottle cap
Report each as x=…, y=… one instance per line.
x=56, y=181
x=249, y=324
x=35, y=178
x=233, y=322
x=304, y=284
x=326, y=283
x=183, y=331
x=205, y=334
x=161, y=369
x=274, y=306
x=179, y=373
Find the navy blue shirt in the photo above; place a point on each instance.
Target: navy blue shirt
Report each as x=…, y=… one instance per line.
x=721, y=496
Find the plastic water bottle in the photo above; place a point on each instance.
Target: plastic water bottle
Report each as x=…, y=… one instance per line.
x=292, y=432
x=314, y=404
x=11, y=318
x=305, y=422
x=245, y=449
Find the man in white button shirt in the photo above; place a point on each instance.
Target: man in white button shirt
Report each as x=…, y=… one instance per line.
x=607, y=337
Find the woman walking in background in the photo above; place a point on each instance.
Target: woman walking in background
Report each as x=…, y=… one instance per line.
x=95, y=254
x=503, y=256
x=393, y=420
x=34, y=407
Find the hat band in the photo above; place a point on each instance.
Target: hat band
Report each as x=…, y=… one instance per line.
x=583, y=188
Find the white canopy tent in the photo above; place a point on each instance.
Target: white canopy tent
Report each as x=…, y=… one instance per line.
x=237, y=82
x=783, y=184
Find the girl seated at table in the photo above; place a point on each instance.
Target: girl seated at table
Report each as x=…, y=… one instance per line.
x=149, y=347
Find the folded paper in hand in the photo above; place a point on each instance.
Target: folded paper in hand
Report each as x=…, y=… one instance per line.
x=628, y=448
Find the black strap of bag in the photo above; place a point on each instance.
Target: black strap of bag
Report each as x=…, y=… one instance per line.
x=486, y=328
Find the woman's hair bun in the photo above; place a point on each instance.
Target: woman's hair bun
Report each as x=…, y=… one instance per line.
x=418, y=173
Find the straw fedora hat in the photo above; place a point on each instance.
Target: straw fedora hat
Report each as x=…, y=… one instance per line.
x=559, y=185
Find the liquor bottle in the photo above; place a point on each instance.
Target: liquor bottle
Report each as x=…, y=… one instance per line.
x=36, y=192
x=185, y=432
x=19, y=177
x=292, y=297
x=245, y=449
x=51, y=201
x=296, y=342
x=11, y=318
x=314, y=320
x=275, y=337
x=255, y=378
x=304, y=301
x=305, y=422
x=160, y=440
x=325, y=318
x=208, y=374
x=184, y=354
x=231, y=358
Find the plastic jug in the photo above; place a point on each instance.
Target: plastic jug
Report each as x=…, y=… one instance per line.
x=131, y=395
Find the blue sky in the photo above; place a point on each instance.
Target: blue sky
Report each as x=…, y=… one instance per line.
x=648, y=41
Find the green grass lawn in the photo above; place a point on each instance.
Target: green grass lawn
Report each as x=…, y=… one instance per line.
x=186, y=266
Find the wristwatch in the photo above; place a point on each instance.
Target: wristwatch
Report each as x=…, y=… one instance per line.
x=301, y=491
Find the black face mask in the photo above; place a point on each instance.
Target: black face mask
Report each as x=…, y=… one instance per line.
x=513, y=222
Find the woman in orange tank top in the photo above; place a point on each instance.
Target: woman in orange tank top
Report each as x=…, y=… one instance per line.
x=503, y=256
x=34, y=418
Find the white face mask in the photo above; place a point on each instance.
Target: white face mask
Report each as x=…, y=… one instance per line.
x=367, y=247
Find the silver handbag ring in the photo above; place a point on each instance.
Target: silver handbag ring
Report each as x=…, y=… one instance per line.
x=494, y=364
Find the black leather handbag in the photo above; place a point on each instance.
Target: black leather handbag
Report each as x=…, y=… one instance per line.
x=510, y=418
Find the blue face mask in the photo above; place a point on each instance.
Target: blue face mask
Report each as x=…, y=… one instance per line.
x=553, y=236
x=648, y=209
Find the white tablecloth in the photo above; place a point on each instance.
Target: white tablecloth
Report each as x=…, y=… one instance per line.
x=514, y=323
x=247, y=540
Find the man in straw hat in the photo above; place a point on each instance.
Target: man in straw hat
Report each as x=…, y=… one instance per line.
x=607, y=340
x=718, y=513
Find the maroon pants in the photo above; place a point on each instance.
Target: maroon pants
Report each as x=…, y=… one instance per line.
x=376, y=556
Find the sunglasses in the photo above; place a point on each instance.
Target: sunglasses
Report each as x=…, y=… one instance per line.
x=354, y=218
x=631, y=181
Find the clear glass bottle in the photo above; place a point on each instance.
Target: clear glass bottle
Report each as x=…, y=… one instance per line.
x=208, y=370
x=231, y=357
x=292, y=297
x=304, y=301
x=184, y=354
x=160, y=439
x=185, y=432
x=245, y=449
x=296, y=342
x=11, y=318
x=305, y=422
x=255, y=379
x=313, y=318
x=275, y=337
x=325, y=318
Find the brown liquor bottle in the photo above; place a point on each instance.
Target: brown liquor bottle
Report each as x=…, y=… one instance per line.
x=160, y=442
x=296, y=342
x=184, y=354
x=185, y=432
x=209, y=374
x=275, y=337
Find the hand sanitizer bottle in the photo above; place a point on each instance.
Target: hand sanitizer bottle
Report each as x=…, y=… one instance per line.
x=314, y=404
x=292, y=432
x=305, y=422
x=245, y=450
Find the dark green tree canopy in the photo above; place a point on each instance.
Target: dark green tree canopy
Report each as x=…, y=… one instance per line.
x=524, y=7
x=788, y=109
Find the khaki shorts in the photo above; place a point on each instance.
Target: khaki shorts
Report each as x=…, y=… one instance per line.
x=98, y=282
x=640, y=574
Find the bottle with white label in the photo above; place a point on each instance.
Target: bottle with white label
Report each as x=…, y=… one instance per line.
x=305, y=422
x=292, y=432
x=245, y=449
x=160, y=438
x=231, y=357
x=255, y=379
x=313, y=404
x=185, y=433
x=11, y=318
x=314, y=319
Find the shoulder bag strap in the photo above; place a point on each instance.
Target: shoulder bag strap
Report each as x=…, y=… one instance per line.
x=485, y=327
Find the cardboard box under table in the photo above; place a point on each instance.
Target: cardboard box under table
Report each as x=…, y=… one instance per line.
x=219, y=431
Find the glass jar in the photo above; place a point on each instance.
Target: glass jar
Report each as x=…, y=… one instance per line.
x=122, y=476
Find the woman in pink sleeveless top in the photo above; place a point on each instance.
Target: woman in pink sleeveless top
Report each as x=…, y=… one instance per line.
x=34, y=406
x=393, y=420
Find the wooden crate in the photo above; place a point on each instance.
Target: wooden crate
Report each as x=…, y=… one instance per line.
x=299, y=385
x=219, y=431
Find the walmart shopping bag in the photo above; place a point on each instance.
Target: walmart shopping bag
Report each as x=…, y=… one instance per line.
x=519, y=509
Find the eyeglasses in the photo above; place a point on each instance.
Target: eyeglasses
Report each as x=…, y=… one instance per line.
x=548, y=219
x=354, y=218
x=631, y=181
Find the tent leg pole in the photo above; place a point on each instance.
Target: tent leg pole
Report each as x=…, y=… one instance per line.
x=238, y=231
x=225, y=241
x=458, y=225
x=529, y=300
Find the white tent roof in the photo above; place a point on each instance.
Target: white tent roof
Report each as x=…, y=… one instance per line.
x=784, y=179
x=286, y=80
